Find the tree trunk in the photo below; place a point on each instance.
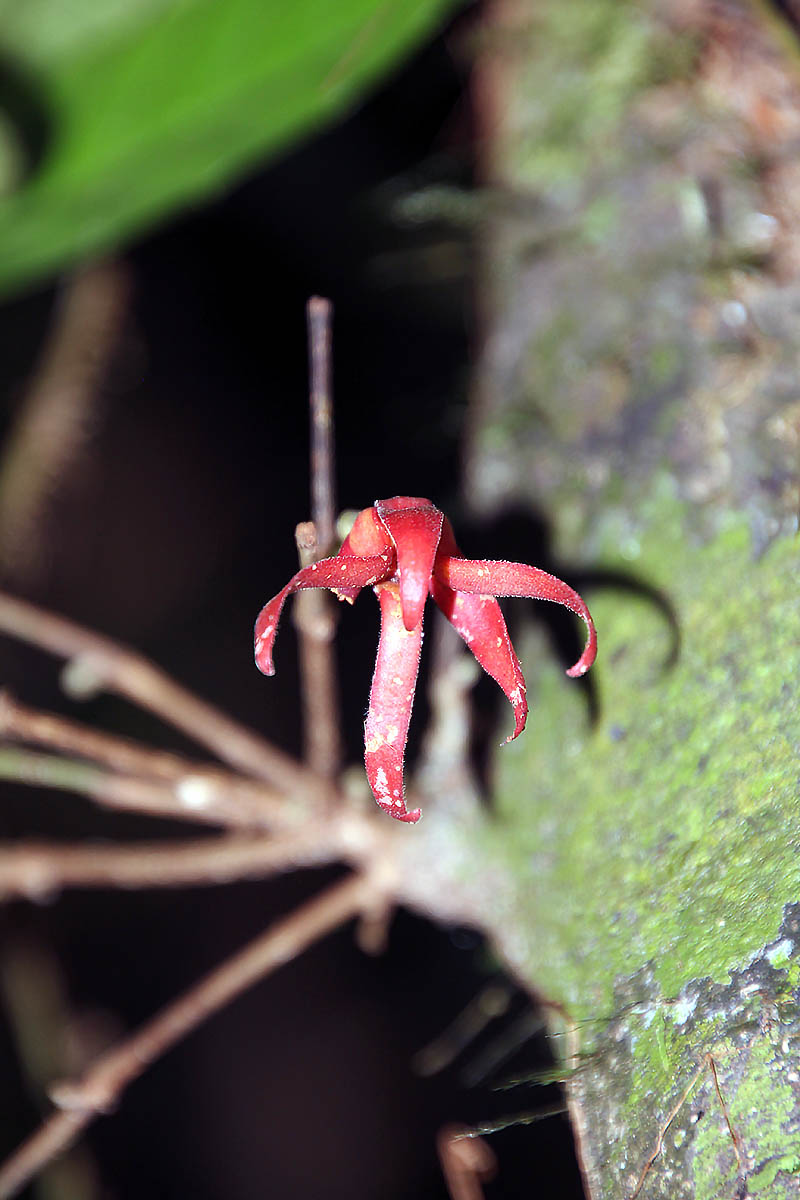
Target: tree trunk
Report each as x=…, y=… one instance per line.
x=639, y=386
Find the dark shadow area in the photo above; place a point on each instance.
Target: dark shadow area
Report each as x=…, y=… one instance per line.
x=516, y=534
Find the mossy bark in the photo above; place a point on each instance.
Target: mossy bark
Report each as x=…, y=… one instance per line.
x=640, y=385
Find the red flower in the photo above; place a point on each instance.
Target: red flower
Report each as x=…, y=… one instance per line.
x=405, y=548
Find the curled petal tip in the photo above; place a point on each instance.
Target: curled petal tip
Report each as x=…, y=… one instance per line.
x=409, y=818
x=344, y=574
x=264, y=638
x=264, y=661
x=590, y=650
x=579, y=669
x=397, y=809
x=517, y=730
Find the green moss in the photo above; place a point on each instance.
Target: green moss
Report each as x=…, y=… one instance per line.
x=592, y=57
x=652, y=856
x=669, y=833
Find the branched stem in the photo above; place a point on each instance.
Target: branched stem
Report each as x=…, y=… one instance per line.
x=19, y=723
x=163, y=783
x=103, y=664
x=236, y=803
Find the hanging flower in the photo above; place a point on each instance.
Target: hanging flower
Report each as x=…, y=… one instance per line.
x=404, y=548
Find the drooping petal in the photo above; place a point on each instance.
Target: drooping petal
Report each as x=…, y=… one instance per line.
x=368, y=536
x=480, y=623
x=345, y=574
x=415, y=526
x=497, y=578
x=390, y=701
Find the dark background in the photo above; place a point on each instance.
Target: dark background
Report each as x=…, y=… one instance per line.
x=171, y=535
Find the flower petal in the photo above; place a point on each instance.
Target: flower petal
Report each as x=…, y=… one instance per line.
x=480, y=623
x=368, y=536
x=498, y=578
x=390, y=701
x=415, y=526
x=343, y=574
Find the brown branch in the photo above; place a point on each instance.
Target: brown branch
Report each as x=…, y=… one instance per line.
x=102, y=1086
x=19, y=723
x=97, y=663
x=39, y=870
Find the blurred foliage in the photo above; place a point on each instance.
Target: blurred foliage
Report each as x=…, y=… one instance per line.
x=115, y=112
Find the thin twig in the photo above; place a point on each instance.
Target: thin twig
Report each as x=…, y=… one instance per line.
x=100, y=664
x=20, y=723
x=316, y=627
x=572, y=1065
x=232, y=803
x=195, y=791
x=39, y=870
x=319, y=313
x=103, y=1084
x=662, y=1133
x=490, y=1003
x=737, y=1150
x=314, y=612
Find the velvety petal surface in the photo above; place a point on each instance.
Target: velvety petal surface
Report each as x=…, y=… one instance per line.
x=342, y=574
x=390, y=701
x=479, y=621
x=497, y=578
x=415, y=527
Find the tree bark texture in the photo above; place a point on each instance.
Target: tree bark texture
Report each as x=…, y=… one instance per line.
x=640, y=387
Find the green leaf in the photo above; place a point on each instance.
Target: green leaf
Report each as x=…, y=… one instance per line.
x=113, y=113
